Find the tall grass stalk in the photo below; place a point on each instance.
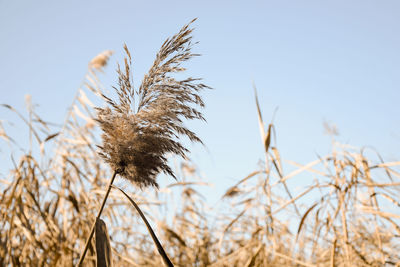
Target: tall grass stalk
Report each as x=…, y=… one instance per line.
x=96, y=220
x=343, y=208
x=145, y=125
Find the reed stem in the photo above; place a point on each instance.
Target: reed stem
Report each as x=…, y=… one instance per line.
x=98, y=217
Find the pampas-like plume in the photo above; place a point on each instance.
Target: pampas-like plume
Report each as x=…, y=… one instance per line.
x=137, y=139
x=101, y=60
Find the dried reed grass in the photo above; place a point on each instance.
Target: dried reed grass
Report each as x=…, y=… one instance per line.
x=348, y=206
x=136, y=142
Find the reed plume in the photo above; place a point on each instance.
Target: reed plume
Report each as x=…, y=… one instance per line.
x=145, y=124
x=137, y=138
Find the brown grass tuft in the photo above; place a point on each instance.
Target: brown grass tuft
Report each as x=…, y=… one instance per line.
x=342, y=209
x=136, y=141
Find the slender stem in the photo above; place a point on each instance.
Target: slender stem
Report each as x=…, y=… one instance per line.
x=98, y=217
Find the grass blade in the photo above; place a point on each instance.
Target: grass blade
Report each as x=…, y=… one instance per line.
x=153, y=235
x=103, y=247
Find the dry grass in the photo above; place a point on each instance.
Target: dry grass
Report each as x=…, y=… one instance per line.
x=347, y=213
x=145, y=124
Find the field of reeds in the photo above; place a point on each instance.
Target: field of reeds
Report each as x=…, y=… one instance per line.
x=345, y=213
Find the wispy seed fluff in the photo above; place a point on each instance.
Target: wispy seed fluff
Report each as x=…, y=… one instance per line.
x=145, y=124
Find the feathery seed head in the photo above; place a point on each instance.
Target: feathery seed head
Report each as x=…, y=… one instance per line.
x=99, y=61
x=136, y=139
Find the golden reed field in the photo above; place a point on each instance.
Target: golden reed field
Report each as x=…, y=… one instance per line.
x=80, y=193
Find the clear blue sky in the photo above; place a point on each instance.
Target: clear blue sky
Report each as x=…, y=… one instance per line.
x=337, y=61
